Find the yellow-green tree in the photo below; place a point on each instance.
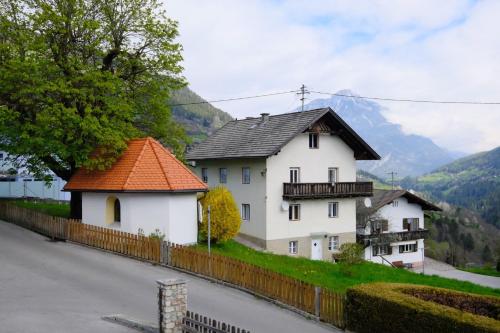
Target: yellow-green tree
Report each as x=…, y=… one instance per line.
x=225, y=216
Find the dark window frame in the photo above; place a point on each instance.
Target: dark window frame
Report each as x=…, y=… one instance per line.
x=245, y=178
x=204, y=175
x=223, y=175
x=313, y=140
x=244, y=210
x=294, y=212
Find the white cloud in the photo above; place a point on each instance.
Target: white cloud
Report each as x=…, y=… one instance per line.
x=407, y=49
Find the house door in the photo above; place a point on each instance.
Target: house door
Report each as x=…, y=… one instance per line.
x=316, y=249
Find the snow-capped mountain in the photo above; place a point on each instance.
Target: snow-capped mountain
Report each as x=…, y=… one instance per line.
x=408, y=155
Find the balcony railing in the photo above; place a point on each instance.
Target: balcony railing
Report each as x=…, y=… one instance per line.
x=391, y=237
x=327, y=190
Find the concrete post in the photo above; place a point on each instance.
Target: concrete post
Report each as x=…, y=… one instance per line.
x=172, y=302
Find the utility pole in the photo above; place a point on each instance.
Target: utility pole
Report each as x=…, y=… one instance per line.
x=209, y=222
x=392, y=173
x=302, y=93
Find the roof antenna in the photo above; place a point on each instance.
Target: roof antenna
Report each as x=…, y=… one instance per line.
x=392, y=173
x=302, y=93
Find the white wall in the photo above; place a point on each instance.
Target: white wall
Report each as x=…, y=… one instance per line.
x=173, y=214
x=409, y=257
x=253, y=193
x=313, y=164
x=37, y=189
x=404, y=209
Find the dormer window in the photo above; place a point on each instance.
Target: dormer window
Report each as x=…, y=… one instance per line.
x=313, y=140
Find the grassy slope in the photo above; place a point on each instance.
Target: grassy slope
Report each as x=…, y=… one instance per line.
x=335, y=276
x=55, y=209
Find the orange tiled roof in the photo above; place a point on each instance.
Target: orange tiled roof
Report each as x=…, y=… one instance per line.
x=144, y=166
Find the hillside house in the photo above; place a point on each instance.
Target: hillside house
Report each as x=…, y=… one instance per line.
x=147, y=190
x=390, y=225
x=293, y=176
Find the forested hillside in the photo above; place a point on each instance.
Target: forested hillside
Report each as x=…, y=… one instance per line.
x=199, y=120
x=472, y=182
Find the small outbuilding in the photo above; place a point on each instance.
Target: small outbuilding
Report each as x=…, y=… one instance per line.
x=147, y=190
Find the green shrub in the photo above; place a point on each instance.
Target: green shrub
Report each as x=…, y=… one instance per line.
x=350, y=253
x=401, y=308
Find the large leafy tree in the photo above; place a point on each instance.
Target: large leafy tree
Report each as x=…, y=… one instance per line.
x=78, y=78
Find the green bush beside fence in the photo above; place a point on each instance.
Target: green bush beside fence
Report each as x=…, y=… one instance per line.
x=386, y=307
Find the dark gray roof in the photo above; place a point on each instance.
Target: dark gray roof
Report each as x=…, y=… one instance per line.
x=383, y=197
x=259, y=137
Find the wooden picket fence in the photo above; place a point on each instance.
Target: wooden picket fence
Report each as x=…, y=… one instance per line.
x=325, y=304
x=131, y=245
x=262, y=281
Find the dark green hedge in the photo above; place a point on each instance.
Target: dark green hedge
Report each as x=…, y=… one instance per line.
x=390, y=308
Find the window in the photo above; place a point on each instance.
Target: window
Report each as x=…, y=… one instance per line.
x=333, y=209
x=380, y=226
x=245, y=212
x=113, y=210
x=245, y=175
x=294, y=212
x=408, y=248
x=333, y=243
x=117, y=212
x=1, y=156
x=395, y=203
x=294, y=175
x=410, y=224
x=293, y=247
x=222, y=175
x=204, y=175
x=313, y=140
x=380, y=250
x=333, y=175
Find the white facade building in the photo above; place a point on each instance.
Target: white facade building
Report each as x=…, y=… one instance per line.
x=147, y=191
x=293, y=177
x=18, y=183
x=391, y=227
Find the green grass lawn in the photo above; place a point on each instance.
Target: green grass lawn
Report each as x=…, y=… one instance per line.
x=338, y=277
x=482, y=270
x=51, y=208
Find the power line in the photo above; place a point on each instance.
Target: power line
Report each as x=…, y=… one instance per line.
x=407, y=100
x=236, y=98
x=302, y=91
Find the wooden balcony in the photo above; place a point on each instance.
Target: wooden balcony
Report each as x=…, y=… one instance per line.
x=327, y=190
x=391, y=237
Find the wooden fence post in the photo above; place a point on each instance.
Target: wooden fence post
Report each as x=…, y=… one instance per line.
x=317, y=301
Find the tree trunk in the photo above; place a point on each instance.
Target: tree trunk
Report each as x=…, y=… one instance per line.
x=76, y=205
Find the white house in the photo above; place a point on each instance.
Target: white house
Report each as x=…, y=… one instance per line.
x=293, y=176
x=391, y=227
x=147, y=190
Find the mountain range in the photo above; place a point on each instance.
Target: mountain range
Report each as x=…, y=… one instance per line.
x=472, y=182
x=406, y=154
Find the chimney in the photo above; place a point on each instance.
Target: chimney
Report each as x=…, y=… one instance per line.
x=264, y=116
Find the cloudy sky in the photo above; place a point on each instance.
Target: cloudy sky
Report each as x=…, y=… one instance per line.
x=423, y=49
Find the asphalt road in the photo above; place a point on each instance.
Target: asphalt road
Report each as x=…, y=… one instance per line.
x=62, y=287
x=434, y=267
